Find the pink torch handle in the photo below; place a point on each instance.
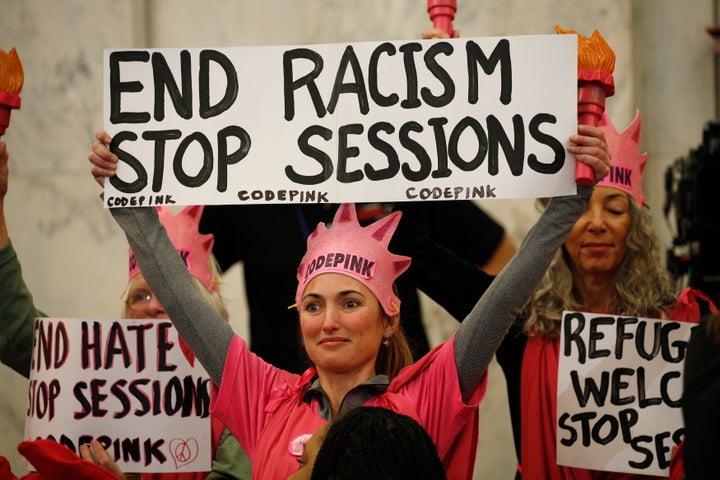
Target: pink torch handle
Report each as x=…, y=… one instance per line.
x=442, y=13
x=591, y=105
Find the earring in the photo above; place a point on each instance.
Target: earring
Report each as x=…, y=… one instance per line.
x=386, y=341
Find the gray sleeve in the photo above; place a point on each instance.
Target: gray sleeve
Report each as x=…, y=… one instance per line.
x=482, y=331
x=203, y=329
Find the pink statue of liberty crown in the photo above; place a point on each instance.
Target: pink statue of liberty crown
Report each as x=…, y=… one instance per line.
x=359, y=252
x=628, y=164
x=194, y=248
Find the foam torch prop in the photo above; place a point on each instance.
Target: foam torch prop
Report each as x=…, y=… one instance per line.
x=442, y=14
x=11, y=82
x=596, y=63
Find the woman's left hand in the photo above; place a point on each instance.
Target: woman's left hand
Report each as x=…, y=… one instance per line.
x=591, y=148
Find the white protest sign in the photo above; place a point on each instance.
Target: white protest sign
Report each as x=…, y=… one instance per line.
x=619, y=392
x=126, y=383
x=472, y=118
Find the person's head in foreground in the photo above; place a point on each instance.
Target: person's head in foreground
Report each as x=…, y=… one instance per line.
x=610, y=262
x=370, y=443
x=196, y=251
x=349, y=312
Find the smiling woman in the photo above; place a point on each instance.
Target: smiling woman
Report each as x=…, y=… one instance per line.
x=342, y=278
x=349, y=316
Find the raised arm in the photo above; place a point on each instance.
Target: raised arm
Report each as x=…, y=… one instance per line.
x=17, y=311
x=202, y=328
x=197, y=322
x=483, y=329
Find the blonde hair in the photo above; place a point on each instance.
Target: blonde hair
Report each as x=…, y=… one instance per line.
x=214, y=298
x=643, y=286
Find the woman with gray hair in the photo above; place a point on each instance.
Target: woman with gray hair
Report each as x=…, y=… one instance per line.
x=610, y=263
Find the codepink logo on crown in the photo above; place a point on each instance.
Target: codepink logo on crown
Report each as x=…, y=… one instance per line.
x=338, y=261
x=360, y=252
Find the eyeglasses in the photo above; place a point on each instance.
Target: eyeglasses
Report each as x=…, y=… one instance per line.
x=138, y=300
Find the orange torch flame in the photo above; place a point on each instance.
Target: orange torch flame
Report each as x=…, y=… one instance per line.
x=11, y=72
x=11, y=82
x=596, y=60
x=593, y=52
x=596, y=63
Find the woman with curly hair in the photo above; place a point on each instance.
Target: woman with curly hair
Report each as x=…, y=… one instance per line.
x=610, y=263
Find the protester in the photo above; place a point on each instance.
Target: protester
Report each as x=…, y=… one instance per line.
x=269, y=241
x=350, y=329
x=370, y=443
x=248, y=233
x=18, y=313
x=53, y=461
x=243, y=233
x=610, y=263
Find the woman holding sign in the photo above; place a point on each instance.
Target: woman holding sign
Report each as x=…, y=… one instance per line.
x=349, y=317
x=608, y=264
x=18, y=313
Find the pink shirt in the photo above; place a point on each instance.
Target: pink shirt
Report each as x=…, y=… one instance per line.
x=264, y=408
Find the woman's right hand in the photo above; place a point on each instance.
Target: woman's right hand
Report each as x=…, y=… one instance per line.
x=103, y=161
x=95, y=453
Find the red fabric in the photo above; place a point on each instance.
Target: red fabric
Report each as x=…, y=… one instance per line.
x=5, y=472
x=687, y=308
x=464, y=448
x=677, y=464
x=55, y=461
x=538, y=407
x=457, y=458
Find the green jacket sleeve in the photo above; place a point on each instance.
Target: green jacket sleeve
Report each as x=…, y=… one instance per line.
x=230, y=462
x=17, y=314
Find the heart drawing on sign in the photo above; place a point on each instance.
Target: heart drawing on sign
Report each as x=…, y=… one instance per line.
x=184, y=451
